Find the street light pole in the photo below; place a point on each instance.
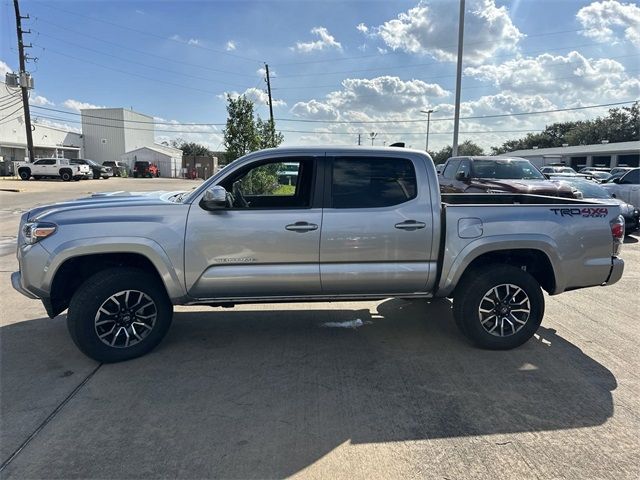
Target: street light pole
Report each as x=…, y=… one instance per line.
x=456, y=119
x=428, y=112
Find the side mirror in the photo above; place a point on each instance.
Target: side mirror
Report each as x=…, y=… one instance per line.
x=214, y=198
x=616, y=180
x=462, y=176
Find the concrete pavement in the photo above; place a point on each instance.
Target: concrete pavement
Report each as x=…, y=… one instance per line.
x=266, y=392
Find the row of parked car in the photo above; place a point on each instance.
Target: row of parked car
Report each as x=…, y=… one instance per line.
x=69, y=169
x=518, y=175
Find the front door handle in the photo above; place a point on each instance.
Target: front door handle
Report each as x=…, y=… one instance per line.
x=301, y=227
x=410, y=225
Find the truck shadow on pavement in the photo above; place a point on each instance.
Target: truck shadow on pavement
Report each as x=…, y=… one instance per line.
x=263, y=394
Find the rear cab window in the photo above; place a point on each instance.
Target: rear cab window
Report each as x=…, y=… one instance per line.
x=369, y=182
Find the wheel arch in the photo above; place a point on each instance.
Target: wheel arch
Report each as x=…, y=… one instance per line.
x=538, y=257
x=71, y=266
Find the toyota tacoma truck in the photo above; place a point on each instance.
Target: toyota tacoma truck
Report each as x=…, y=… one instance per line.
x=52, y=167
x=357, y=224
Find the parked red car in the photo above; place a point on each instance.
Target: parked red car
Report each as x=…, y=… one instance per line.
x=497, y=175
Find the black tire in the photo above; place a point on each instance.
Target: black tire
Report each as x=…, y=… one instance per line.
x=66, y=175
x=25, y=174
x=95, y=292
x=105, y=178
x=96, y=176
x=468, y=300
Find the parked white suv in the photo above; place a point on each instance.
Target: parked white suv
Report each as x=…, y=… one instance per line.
x=52, y=167
x=627, y=187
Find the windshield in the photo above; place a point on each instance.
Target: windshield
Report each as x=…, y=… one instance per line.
x=506, y=170
x=587, y=188
x=92, y=163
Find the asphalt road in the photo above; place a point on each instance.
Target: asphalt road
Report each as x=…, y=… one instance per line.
x=266, y=391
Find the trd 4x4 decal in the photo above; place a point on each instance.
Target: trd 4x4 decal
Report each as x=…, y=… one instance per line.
x=581, y=212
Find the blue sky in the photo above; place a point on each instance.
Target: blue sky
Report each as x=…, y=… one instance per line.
x=338, y=61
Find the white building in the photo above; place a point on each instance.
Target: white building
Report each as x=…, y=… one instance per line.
x=168, y=159
x=609, y=155
x=47, y=141
x=111, y=132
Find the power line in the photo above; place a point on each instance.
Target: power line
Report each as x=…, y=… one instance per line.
x=7, y=119
x=554, y=66
x=226, y=72
x=182, y=86
x=451, y=118
x=150, y=34
x=397, y=52
x=286, y=130
x=86, y=115
x=413, y=65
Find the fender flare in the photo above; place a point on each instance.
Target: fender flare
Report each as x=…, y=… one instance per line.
x=146, y=247
x=497, y=243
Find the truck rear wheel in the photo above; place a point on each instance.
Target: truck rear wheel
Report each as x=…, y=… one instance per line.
x=119, y=314
x=498, y=307
x=66, y=175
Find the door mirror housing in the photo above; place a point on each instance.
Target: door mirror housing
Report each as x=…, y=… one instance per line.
x=214, y=198
x=462, y=176
x=616, y=180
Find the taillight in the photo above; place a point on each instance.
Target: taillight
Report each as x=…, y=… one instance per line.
x=617, y=232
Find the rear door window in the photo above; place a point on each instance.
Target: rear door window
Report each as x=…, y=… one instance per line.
x=450, y=169
x=361, y=182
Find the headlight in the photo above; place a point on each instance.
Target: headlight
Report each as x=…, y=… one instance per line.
x=35, y=231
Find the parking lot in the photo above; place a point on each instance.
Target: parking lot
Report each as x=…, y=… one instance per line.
x=265, y=391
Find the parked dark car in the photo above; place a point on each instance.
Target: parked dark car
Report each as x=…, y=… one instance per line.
x=497, y=175
x=119, y=168
x=145, y=169
x=98, y=171
x=589, y=190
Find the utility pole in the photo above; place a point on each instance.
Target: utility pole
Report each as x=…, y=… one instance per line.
x=24, y=79
x=359, y=140
x=373, y=136
x=273, y=123
x=428, y=112
x=456, y=116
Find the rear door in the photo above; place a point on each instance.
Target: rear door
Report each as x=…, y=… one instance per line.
x=377, y=226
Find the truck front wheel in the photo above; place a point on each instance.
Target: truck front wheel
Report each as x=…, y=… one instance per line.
x=498, y=307
x=25, y=173
x=119, y=314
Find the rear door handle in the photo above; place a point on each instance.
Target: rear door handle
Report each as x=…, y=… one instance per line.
x=301, y=227
x=410, y=225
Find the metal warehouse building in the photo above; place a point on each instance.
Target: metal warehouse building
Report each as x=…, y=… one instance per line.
x=107, y=134
x=609, y=155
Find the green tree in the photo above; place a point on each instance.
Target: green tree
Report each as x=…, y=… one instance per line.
x=465, y=148
x=240, y=134
x=269, y=137
x=190, y=149
x=619, y=125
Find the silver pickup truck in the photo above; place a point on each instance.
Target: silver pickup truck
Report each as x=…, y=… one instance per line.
x=335, y=224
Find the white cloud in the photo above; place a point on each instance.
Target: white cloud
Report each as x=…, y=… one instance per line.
x=4, y=69
x=610, y=21
x=362, y=28
x=326, y=41
x=190, y=41
x=257, y=96
x=564, y=78
x=369, y=96
x=40, y=100
x=77, y=105
x=230, y=46
x=432, y=27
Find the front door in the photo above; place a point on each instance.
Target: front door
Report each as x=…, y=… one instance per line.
x=377, y=227
x=266, y=243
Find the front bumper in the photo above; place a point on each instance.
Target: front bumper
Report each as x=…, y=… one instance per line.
x=16, y=282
